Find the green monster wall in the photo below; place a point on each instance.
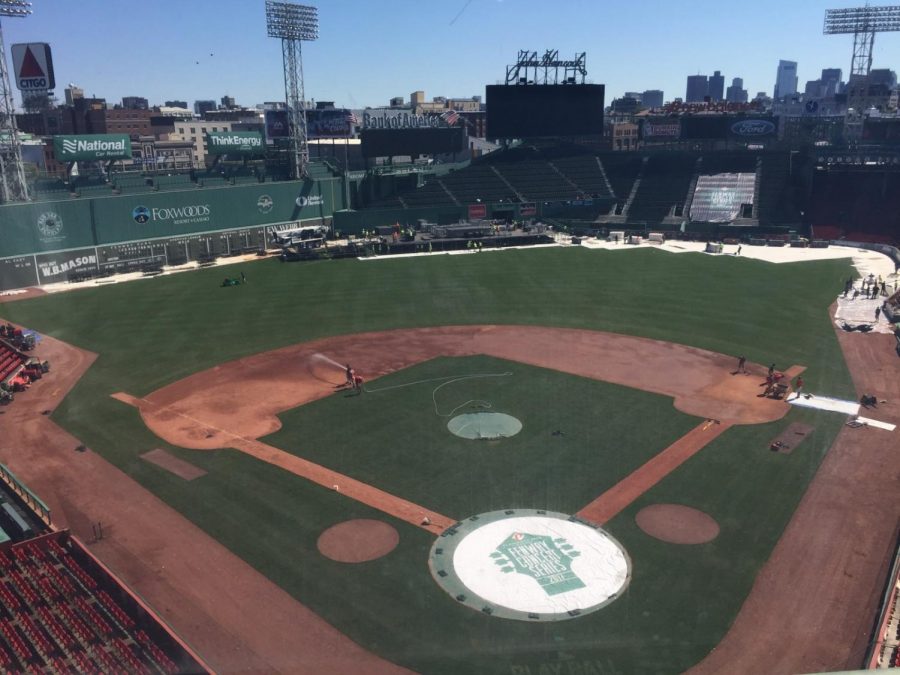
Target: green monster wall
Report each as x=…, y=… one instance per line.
x=80, y=225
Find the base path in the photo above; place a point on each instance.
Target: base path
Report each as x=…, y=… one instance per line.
x=815, y=601
x=623, y=493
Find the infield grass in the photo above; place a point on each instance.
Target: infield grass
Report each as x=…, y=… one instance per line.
x=682, y=598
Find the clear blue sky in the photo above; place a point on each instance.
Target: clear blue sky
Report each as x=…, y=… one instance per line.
x=371, y=50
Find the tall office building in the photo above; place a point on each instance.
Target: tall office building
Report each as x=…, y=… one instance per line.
x=736, y=92
x=73, y=93
x=697, y=89
x=203, y=106
x=716, y=86
x=785, y=79
x=652, y=98
x=135, y=103
x=831, y=81
x=883, y=77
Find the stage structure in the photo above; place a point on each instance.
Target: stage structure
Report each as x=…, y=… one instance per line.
x=529, y=69
x=293, y=24
x=13, y=186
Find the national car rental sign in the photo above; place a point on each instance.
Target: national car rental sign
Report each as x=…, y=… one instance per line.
x=33, y=66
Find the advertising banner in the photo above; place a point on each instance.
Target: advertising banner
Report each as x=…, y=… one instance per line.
x=33, y=66
x=45, y=226
x=91, y=147
x=53, y=267
x=337, y=123
x=234, y=143
x=526, y=209
x=477, y=211
x=167, y=214
x=664, y=129
x=278, y=125
x=750, y=128
x=704, y=127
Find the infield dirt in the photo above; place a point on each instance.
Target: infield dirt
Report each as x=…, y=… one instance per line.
x=795, y=620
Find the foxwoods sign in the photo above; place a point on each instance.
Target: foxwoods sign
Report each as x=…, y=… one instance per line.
x=387, y=119
x=97, y=146
x=177, y=215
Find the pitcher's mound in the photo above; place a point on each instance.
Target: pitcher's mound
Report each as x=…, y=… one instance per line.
x=359, y=540
x=677, y=524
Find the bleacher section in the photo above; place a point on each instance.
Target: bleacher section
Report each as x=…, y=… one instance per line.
x=479, y=182
x=858, y=205
x=622, y=169
x=535, y=179
x=525, y=173
x=777, y=204
x=431, y=193
x=659, y=185
x=585, y=172
x=60, y=611
x=718, y=198
x=664, y=187
x=133, y=182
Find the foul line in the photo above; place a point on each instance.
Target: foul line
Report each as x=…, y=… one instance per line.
x=613, y=501
x=349, y=487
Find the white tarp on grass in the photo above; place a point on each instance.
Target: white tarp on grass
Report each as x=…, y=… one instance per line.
x=825, y=403
x=875, y=423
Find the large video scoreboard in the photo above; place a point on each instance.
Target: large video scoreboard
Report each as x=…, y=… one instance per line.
x=412, y=142
x=538, y=110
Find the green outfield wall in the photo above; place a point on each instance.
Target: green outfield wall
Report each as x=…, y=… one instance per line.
x=46, y=242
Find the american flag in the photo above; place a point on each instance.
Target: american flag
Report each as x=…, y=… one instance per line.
x=353, y=119
x=450, y=117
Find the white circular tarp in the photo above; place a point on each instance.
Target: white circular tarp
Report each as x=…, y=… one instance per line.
x=541, y=565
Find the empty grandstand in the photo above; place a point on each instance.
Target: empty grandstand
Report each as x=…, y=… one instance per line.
x=62, y=611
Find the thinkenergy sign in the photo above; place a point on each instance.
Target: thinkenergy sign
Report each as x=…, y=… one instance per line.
x=234, y=143
x=95, y=146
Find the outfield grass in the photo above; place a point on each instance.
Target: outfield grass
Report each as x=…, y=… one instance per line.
x=682, y=598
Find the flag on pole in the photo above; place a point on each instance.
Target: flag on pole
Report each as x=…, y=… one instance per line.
x=353, y=119
x=450, y=117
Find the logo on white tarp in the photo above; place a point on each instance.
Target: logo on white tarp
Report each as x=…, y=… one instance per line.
x=530, y=565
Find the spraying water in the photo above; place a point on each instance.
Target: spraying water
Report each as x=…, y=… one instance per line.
x=321, y=357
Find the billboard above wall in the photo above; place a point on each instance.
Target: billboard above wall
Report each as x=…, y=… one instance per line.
x=91, y=147
x=541, y=110
x=235, y=143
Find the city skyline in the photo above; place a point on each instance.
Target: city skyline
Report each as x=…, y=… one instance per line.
x=364, y=57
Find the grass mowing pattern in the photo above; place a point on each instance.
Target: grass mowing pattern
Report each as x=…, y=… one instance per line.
x=682, y=599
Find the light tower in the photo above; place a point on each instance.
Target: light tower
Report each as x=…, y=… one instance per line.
x=12, y=174
x=862, y=23
x=294, y=24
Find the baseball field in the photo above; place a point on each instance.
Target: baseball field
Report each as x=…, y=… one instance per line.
x=619, y=368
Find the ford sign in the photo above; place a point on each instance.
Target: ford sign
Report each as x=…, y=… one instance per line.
x=753, y=128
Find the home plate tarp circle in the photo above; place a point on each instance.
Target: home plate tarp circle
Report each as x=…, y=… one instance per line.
x=484, y=425
x=530, y=565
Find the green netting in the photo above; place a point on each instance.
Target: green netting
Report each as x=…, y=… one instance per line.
x=484, y=425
